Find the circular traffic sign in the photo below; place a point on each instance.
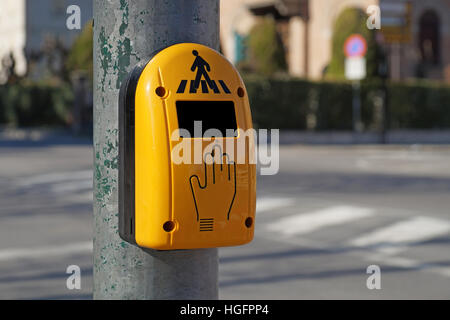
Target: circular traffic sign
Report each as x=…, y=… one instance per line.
x=355, y=46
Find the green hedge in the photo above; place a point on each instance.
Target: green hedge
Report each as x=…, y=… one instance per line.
x=278, y=103
x=35, y=105
x=425, y=106
x=287, y=103
x=284, y=103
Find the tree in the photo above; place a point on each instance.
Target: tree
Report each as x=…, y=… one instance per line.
x=80, y=57
x=352, y=21
x=9, y=74
x=266, y=51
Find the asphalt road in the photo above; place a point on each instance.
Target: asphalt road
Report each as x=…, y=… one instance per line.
x=321, y=221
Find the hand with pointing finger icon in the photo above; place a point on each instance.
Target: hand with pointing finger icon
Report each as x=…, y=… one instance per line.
x=214, y=194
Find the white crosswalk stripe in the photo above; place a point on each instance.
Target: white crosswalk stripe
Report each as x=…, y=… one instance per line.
x=43, y=252
x=312, y=221
x=395, y=238
x=269, y=204
x=59, y=183
x=54, y=178
x=72, y=186
x=383, y=245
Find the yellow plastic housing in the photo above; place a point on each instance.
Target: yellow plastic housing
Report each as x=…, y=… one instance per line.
x=178, y=206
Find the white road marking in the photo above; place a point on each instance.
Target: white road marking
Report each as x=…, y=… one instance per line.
x=404, y=232
x=54, y=177
x=408, y=263
x=312, y=221
x=373, y=256
x=42, y=252
x=85, y=197
x=268, y=204
x=72, y=186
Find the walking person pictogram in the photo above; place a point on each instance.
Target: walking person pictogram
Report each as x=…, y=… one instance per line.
x=203, y=68
x=202, y=78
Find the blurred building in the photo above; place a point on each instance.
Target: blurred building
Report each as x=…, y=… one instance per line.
x=26, y=26
x=415, y=33
x=12, y=35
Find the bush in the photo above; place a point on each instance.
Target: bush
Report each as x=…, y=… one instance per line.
x=266, y=51
x=288, y=103
x=352, y=21
x=284, y=103
x=334, y=106
x=81, y=54
x=421, y=106
x=28, y=105
x=279, y=103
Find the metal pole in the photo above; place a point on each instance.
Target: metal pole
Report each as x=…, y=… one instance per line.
x=385, y=88
x=127, y=32
x=357, y=122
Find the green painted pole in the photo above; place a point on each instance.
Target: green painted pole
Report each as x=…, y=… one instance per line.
x=126, y=32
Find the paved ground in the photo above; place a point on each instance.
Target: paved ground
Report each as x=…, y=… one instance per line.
x=329, y=214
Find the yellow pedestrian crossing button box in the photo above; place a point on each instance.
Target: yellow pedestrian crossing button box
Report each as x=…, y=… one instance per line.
x=187, y=175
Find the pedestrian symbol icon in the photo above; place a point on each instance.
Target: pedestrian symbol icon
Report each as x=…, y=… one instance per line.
x=200, y=64
x=202, y=69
